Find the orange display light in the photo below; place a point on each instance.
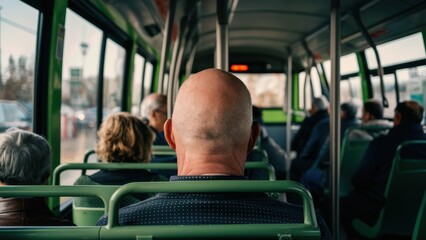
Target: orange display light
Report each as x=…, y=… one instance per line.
x=239, y=68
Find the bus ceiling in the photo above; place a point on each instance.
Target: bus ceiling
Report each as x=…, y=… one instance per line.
x=266, y=30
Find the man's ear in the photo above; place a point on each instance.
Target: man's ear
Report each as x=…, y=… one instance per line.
x=254, y=134
x=397, y=119
x=168, y=133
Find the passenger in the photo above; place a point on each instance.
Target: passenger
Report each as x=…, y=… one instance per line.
x=154, y=111
x=277, y=157
x=25, y=160
x=372, y=116
x=367, y=199
x=318, y=112
x=123, y=138
x=319, y=136
x=212, y=131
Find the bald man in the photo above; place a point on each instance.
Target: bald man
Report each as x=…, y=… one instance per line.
x=367, y=199
x=212, y=132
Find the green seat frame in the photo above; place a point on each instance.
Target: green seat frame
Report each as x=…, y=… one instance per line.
x=86, y=216
x=50, y=232
x=420, y=228
x=162, y=166
x=403, y=194
x=307, y=230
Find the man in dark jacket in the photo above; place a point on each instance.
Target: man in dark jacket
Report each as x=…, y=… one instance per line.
x=25, y=160
x=318, y=112
x=367, y=199
x=212, y=131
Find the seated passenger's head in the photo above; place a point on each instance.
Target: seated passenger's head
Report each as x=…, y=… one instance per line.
x=124, y=138
x=372, y=109
x=154, y=109
x=212, y=128
x=318, y=104
x=24, y=158
x=408, y=112
x=349, y=110
x=257, y=114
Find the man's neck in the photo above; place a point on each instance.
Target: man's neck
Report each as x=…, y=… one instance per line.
x=211, y=164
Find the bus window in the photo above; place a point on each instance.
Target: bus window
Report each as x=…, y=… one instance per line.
x=147, y=78
x=389, y=82
x=137, y=84
x=316, y=82
x=19, y=23
x=348, y=64
x=304, y=93
x=80, y=68
x=412, y=84
x=266, y=89
x=399, y=51
x=113, y=77
x=350, y=91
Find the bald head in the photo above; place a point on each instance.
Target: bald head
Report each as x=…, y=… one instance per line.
x=212, y=117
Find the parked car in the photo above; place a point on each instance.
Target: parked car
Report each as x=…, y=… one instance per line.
x=14, y=114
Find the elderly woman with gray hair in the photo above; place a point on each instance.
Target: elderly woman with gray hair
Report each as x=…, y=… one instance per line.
x=25, y=160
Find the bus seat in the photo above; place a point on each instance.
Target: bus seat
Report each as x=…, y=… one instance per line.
x=81, y=216
x=87, y=155
x=352, y=154
x=420, y=230
x=86, y=216
x=161, y=150
x=403, y=194
x=307, y=230
x=86, y=166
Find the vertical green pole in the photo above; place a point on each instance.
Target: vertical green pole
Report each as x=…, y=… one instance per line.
x=157, y=77
x=296, y=104
x=56, y=35
x=130, y=79
x=366, y=87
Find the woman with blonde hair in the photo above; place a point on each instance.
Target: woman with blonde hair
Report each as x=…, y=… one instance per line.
x=123, y=138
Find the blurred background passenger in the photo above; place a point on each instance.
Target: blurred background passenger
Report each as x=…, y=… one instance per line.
x=277, y=157
x=25, y=160
x=317, y=113
x=372, y=116
x=154, y=113
x=123, y=138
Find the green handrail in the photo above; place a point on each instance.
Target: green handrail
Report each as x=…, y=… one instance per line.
x=308, y=230
x=161, y=166
x=86, y=158
x=54, y=232
x=163, y=150
x=102, y=191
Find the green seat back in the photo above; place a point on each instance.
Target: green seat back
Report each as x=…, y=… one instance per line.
x=163, y=150
x=87, y=155
x=86, y=216
x=307, y=230
x=403, y=194
x=54, y=232
x=162, y=166
x=420, y=227
x=351, y=156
